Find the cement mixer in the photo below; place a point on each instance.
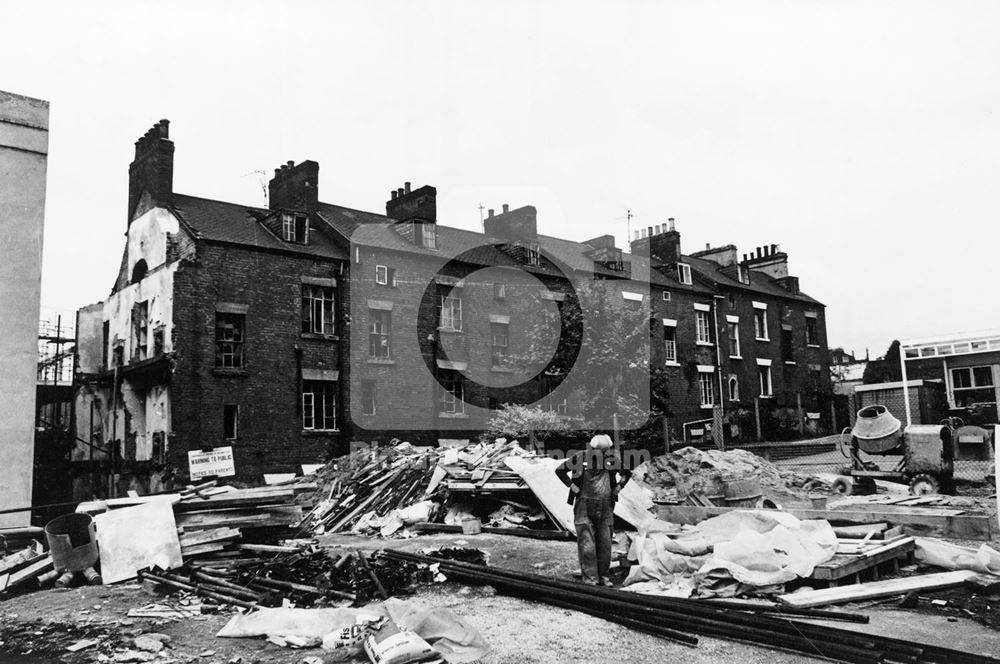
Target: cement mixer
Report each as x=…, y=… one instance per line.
x=923, y=454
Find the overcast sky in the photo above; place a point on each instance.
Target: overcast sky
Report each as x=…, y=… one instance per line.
x=860, y=136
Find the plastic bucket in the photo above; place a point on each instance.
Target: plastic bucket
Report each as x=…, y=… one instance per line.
x=72, y=542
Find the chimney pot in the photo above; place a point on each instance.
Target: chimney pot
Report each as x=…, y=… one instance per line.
x=506, y=208
x=291, y=163
x=393, y=194
x=636, y=234
x=775, y=249
x=490, y=212
x=406, y=187
x=707, y=246
x=399, y=192
x=758, y=252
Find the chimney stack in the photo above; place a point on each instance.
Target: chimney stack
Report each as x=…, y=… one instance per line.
x=519, y=225
x=295, y=187
x=408, y=204
x=152, y=170
x=662, y=242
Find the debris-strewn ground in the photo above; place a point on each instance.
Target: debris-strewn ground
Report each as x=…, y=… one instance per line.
x=45, y=623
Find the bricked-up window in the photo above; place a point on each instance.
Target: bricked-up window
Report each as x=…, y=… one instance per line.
x=229, y=340
x=140, y=329
x=368, y=397
x=702, y=327
x=450, y=306
x=734, y=338
x=499, y=291
x=500, y=337
x=294, y=227
x=379, y=327
x=764, y=374
x=666, y=296
x=452, y=392
x=706, y=387
x=319, y=405
x=787, y=352
x=385, y=275
x=230, y=419
x=428, y=235
x=670, y=343
x=973, y=385
x=734, y=388
x=317, y=309
x=760, y=325
x=812, y=331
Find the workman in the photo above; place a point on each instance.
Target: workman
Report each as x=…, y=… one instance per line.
x=594, y=477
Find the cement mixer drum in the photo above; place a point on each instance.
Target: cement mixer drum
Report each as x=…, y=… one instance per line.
x=877, y=430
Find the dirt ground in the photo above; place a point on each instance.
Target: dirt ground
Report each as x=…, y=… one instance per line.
x=38, y=627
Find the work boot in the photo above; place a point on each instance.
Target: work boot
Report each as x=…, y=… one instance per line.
x=607, y=583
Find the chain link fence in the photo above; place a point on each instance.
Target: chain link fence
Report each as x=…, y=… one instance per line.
x=824, y=455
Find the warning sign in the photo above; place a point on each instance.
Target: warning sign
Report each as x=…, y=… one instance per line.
x=217, y=463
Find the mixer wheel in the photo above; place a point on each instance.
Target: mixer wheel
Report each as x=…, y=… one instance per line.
x=924, y=484
x=843, y=485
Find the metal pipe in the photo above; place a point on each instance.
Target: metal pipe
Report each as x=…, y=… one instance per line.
x=691, y=611
x=906, y=387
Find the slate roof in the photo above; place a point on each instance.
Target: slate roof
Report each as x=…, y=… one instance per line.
x=760, y=283
x=237, y=224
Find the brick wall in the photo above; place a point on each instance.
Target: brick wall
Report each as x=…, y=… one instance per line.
x=270, y=436
x=808, y=378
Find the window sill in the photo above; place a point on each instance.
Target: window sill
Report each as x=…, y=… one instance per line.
x=220, y=371
x=671, y=363
x=813, y=345
x=453, y=416
x=735, y=357
x=450, y=330
x=762, y=339
x=767, y=396
x=320, y=337
x=386, y=361
x=319, y=432
x=385, y=285
x=707, y=406
x=791, y=362
x=703, y=343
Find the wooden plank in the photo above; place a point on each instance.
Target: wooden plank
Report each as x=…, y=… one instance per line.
x=878, y=555
x=32, y=571
x=862, y=591
x=206, y=536
x=199, y=549
x=225, y=500
x=964, y=526
x=860, y=531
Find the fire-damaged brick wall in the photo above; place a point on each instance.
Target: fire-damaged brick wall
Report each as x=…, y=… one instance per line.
x=266, y=391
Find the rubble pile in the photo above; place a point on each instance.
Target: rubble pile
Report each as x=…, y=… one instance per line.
x=711, y=474
x=393, y=489
x=300, y=575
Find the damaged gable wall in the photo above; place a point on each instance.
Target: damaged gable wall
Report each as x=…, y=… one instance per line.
x=139, y=415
